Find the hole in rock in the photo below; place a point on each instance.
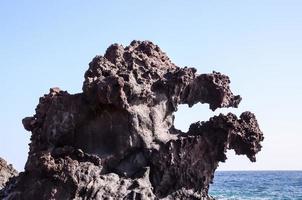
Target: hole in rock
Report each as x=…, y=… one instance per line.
x=185, y=115
x=236, y=162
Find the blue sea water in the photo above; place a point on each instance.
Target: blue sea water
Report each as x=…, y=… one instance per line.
x=257, y=185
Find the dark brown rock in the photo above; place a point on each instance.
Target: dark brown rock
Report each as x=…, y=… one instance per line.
x=116, y=140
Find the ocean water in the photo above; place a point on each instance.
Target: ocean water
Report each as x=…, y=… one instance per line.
x=257, y=185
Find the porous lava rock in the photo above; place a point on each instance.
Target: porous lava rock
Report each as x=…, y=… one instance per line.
x=6, y=172
x=116, y=139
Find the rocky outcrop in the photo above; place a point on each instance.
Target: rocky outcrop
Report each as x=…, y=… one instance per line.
x=116, y=140
x=6, y=172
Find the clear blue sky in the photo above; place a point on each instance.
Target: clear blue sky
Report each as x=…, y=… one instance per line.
x=258, y=43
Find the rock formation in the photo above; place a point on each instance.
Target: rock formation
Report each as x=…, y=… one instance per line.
x=6, y=172
x=116, y=140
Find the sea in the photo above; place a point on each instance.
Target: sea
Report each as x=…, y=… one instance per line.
x=257, y=185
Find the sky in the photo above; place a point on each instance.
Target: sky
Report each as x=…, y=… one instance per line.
x=257, y=43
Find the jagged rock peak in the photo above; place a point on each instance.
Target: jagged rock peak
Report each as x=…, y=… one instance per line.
x=6, y=172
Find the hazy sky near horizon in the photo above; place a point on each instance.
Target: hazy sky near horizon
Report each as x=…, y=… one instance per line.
x=257, y=43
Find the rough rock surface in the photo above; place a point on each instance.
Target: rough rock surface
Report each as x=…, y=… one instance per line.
x=6, y=172
x=116, y=140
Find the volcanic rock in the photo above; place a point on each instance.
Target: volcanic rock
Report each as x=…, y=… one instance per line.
x=116, y=139
x=6, y=172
